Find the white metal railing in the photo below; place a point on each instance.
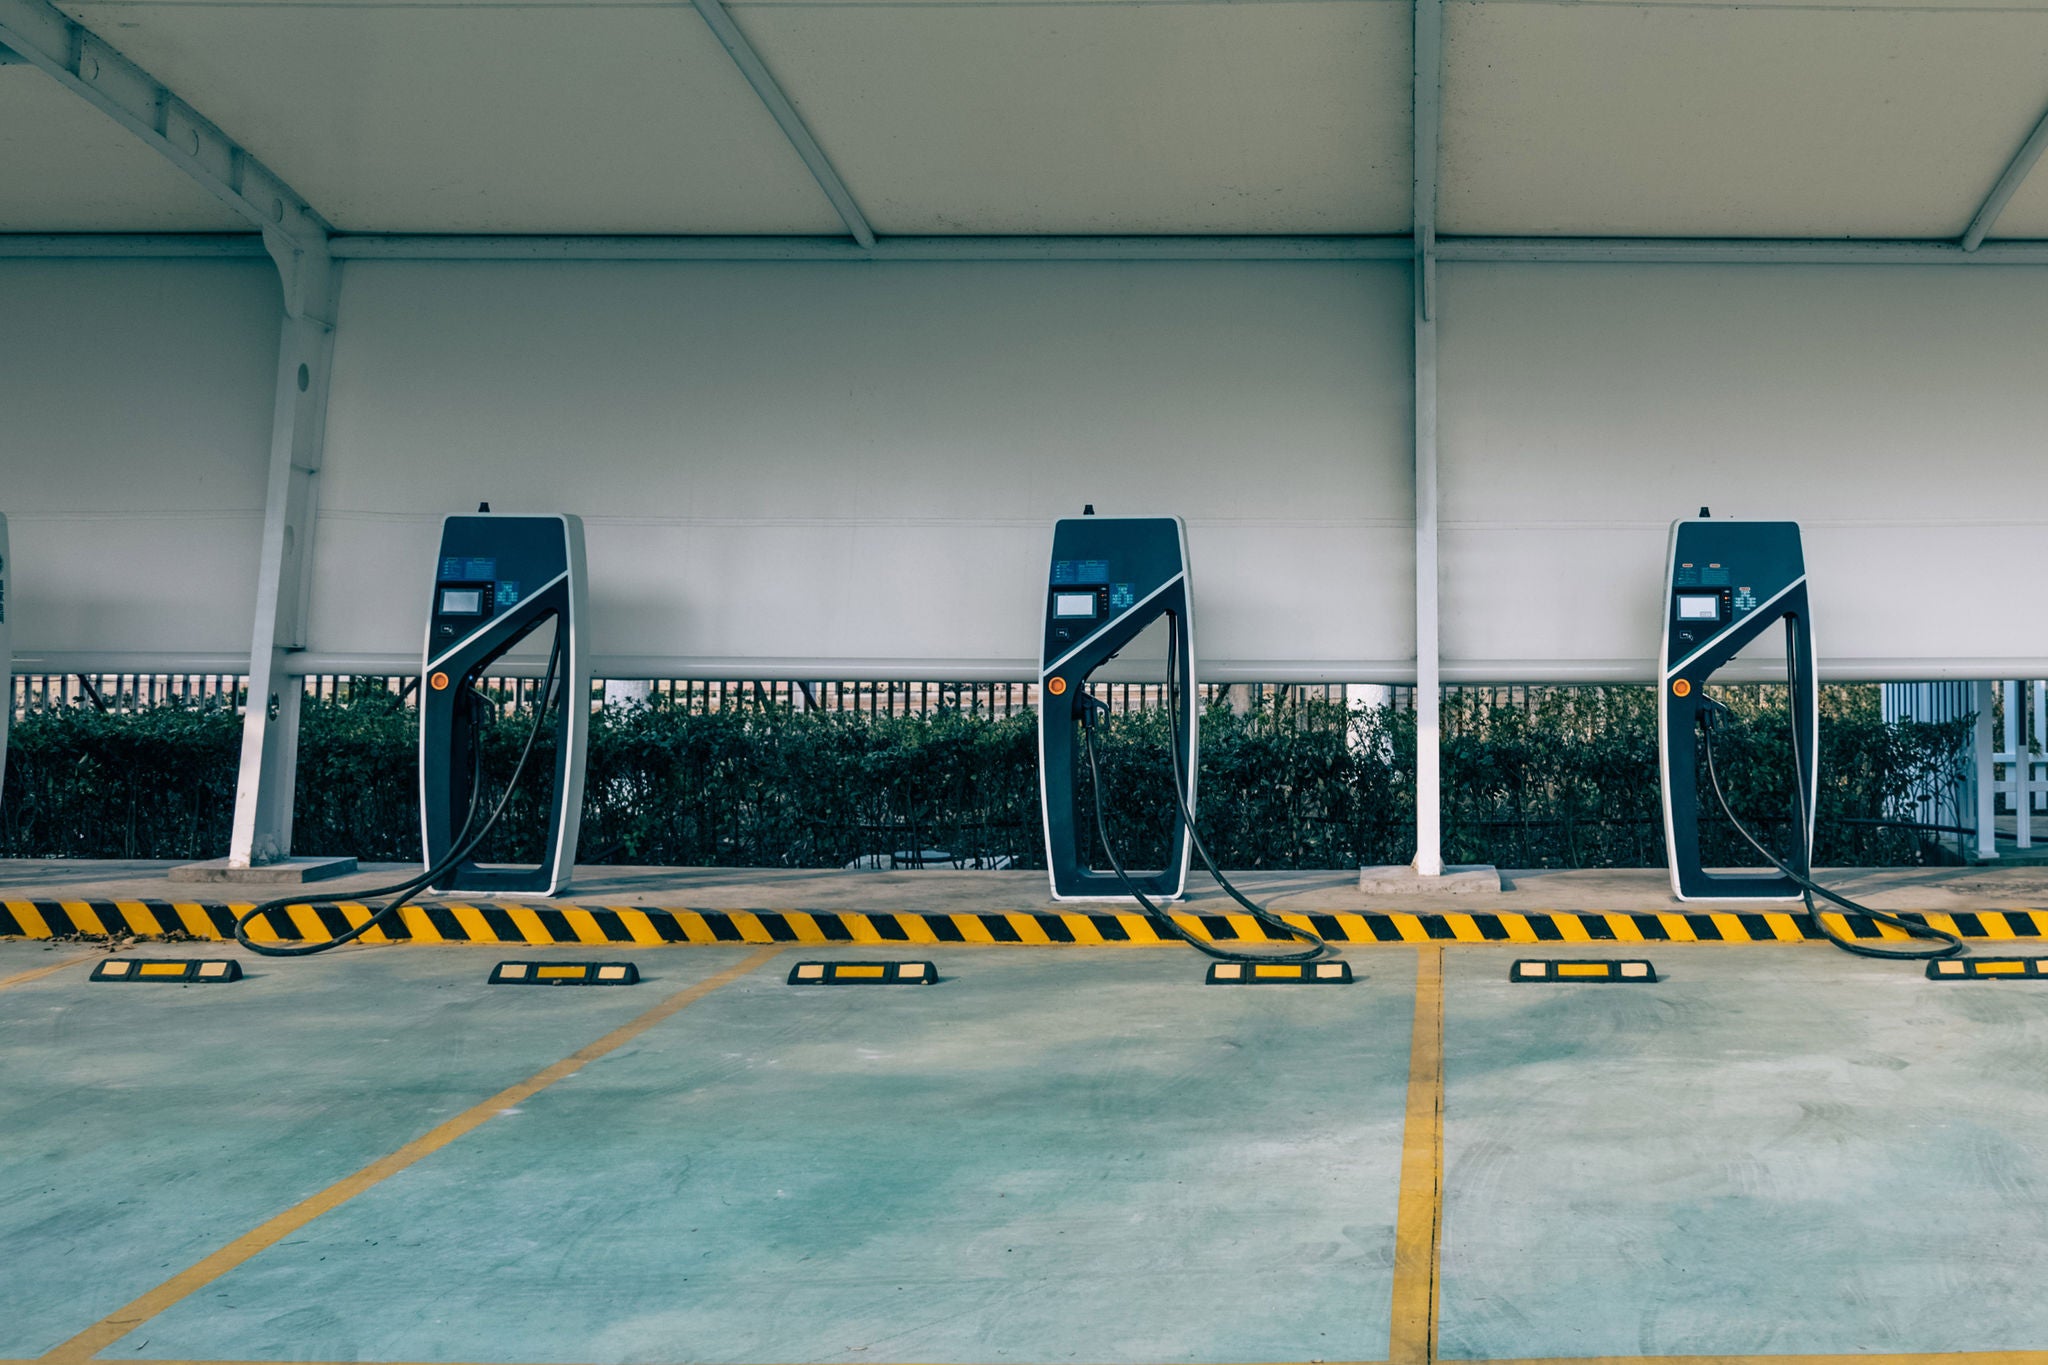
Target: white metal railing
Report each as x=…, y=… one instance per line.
x=2008, y=779
x=141, y=691
x=2019, y=770
x=121, y=691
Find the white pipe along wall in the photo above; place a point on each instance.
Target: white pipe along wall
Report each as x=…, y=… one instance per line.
x=846, y=470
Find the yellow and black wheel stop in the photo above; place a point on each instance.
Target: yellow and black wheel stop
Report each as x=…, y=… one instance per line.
x=1585, y=969
x=565, y=974
x=863, y=974
x=183, y=970
x=1988, y=969
x=1279, y=973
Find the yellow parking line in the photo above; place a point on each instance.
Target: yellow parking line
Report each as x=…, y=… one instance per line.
x=124, y=1320
x=38, y=973
x=1418, y=1214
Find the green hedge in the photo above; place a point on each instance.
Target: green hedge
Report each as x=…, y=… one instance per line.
x=158, y=783
x=1570, y=779
x=1567, y=779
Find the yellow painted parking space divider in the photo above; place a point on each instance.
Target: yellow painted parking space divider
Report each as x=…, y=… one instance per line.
x=128, y=1317
x=8, y=983
x=1418, y=1214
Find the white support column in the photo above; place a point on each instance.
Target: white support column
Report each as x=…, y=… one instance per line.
x=296, y=237
x=2039, y=750
x=2021, y=768
x=2020, y=698
x=623, y=693
x=270, y=730
x=1429, y=858
x=1986, y=778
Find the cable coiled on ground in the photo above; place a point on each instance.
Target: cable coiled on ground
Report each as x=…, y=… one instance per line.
x=466, y=843
x=1090, y=707
x=1952, y=944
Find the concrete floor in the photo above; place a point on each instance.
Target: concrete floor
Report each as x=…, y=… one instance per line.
x=1081, y=1155
x=1783, y=1150
x=142, y=1126
x=1943, y=889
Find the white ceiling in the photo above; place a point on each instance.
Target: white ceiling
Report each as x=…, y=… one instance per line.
x=1105, y=118
x=1772, y=121
x=66, y=167
x=482, y=117
x=1809, y=118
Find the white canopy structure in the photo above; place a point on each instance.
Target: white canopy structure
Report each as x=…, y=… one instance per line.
x=1428, y=317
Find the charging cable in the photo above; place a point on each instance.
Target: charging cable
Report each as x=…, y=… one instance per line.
x=465, y=844
x=1952, y=944
x=1091, y=707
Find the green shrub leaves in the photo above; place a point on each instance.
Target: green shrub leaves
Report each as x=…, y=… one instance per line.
x=1560, y=777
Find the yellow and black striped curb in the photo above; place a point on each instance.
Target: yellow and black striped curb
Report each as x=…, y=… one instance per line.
x=510, y=922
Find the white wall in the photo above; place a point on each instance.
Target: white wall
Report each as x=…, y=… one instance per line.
x=854, y=469
x=135, y=403
x=1899, y=414
x=840, y=468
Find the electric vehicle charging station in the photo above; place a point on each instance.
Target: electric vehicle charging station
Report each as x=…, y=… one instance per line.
x=1727, y=582
x=498, y=579
x=1111, y=577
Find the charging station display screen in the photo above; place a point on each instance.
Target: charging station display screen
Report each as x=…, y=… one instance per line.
x=1704, y=606
x=462, y=602
x=1080, y=571
x=1073, y=605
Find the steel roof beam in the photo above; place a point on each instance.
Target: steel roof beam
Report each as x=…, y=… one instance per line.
x=41, y=34
x=1511, y=250
x=1428, y=52
x=1731, y=251
x=2009, y=182
x=1559, y=250
x=1162, y=248
x=129, y=245
x=786, y=117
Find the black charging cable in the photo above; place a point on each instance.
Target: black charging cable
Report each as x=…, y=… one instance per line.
x=1091, y=706
x=466, y=843
x=1952, y=944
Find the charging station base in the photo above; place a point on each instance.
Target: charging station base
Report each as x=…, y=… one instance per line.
x=287, y=872
x=1461, y=879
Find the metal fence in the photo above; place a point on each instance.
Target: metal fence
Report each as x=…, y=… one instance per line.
x=1998, y=788
x=2022, y=760
x=124, y=691
x=134, y=692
